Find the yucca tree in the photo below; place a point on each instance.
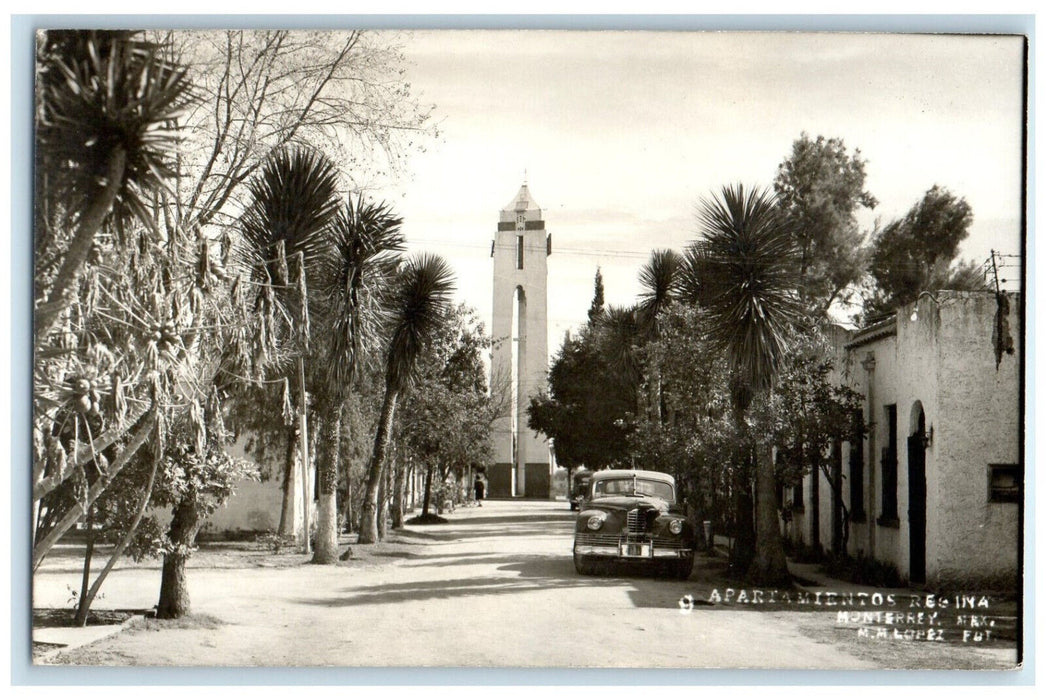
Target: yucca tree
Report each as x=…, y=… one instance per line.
x=354, y=279
x=108, y=105
x=747, y=265
x=659, y=287
x=659, y=281
x=292, y=204
x=417, y=308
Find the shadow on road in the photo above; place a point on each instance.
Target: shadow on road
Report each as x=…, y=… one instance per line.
x=515, y=574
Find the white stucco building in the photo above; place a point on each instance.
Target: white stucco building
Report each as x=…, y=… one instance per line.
x=937, y=486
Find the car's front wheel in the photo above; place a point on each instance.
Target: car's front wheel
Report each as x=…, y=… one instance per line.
x=584, y=565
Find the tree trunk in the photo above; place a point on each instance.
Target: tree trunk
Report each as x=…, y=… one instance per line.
x=346, y=507
x=412, y=479
x=383, y=503
x=428, y=491
x=742, y=552
x=815, y=501
x=327, y=478
x=290, y=466
x=174, y=592
x=769, y=566
x=65, y=285
x=369, y=514
x=398, y=495
x=83, y=606
x=124, y=542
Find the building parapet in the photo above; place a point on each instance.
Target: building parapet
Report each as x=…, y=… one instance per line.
x=876, y=331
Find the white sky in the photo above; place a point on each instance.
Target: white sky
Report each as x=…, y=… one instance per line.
x=622, y=133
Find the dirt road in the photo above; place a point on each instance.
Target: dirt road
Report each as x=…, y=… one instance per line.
x=495, y=587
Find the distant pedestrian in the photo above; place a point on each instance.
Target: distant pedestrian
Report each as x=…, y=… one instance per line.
x=479, y=491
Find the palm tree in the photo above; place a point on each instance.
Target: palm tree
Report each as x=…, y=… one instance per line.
x=292, y=203
x=418, y=307
x=747, y=265
x=107, y=109
x=354, y=279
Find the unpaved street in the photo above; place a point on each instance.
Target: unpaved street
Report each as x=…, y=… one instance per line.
x=495, y=587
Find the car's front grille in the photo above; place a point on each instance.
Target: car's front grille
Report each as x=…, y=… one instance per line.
x=634, y=523
x=597, y=539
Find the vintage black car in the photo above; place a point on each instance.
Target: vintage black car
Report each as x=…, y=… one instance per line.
x=580, y=488
x=632, y=516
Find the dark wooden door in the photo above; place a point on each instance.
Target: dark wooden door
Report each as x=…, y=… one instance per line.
x=917, y=508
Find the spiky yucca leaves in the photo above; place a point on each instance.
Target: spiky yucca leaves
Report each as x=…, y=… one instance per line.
x=746, y=265
x=660, y=286
x=353, y=277
x=107, y=115
x=292, y=202
x=418, y=307
x=103, y=93
x=660, y=282
x=618, y=332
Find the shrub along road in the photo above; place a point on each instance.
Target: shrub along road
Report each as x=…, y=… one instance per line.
x=494, y=587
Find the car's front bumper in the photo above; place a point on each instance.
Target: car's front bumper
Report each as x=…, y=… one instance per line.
x=612, y=546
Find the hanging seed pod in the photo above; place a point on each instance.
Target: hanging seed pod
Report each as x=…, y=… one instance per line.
x=288, y=406
x=118, y=401
x=199, y=429
x=304, y=293
x=283, y=273
x=56, y=456
x=203, y=264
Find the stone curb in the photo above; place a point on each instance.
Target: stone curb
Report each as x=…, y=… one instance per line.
x=45, y=658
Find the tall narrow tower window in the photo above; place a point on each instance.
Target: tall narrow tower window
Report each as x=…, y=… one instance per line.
x=519, y=252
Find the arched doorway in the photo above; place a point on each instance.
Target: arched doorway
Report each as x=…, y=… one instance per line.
x=917, y=495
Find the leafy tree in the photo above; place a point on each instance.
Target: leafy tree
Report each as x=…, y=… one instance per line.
x=748, y=266
x=915, y=253
x=820, y=188
x=199, y=476
x=810, y=417
x=596, y=308
x=446, y=422
x=587, y=408
x=694, y=438
x=417, y=309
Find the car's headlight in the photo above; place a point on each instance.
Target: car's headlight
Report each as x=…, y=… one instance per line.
x=675, y=527
x=596, y=522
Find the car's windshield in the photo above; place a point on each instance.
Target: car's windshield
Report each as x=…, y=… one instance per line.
x=633, y=486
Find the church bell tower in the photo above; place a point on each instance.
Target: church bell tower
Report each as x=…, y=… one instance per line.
x=519, y=363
